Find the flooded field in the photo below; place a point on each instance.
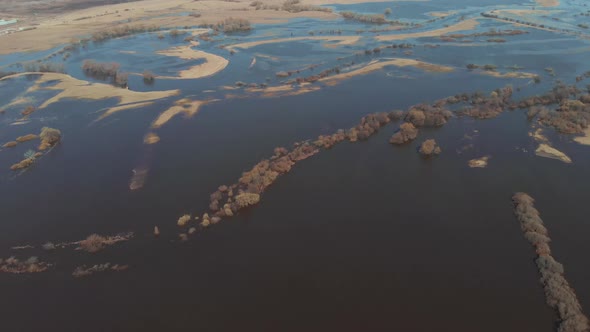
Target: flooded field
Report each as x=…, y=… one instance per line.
x=162, y=143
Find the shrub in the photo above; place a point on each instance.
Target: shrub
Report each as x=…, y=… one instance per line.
x=93, y=243
x=247, y=199
x=182, y=221
x=49, y=137
x=26, y=138
x=406, y=133
x=121, y=79
x=9, y=144
x=100, y=70
x=148, y=77
x=429, y=148
x=231, y=24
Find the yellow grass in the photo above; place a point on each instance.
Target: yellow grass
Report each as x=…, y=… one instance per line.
x=461, y=26
x=213, y=63
x=548, y=3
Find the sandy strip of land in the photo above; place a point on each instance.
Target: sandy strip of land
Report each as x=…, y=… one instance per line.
x=213, y=63
x=548, y=3
x=373, y=66
x=20, y=101
x=441, y=14
x=547, y=151
x=116, y=109
x=469, y=24
x=525, y=12
x=78, y=89
x=151, y=138
x=284, y=90
x=340, y=41
x=512, y=74
x=184, y=106
x=479, y=162
x=584, y=140
x=378, y=65
x=538, y=136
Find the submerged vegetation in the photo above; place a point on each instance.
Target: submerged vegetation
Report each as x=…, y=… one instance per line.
x=15, y=266
x=49, y=137
x=94, y=242
x=558, y=293
x=429, y=148
x=83, y=271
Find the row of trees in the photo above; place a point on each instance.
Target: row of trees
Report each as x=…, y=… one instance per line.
x=558, y=293
x=106, y=71
x=291, y=6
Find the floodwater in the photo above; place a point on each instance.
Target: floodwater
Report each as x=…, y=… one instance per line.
x=364, y=236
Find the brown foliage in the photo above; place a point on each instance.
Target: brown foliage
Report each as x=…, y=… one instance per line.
x=407, y=132
x=15, y=266
x=93, y=243
x=558, y=293
x=246, y=199
x=233, y=25
x=10, y=144
x=148, y=77
x=25, y=163
x=429, y=148
x=49, y=137
x=26, y=138
x=28, y=111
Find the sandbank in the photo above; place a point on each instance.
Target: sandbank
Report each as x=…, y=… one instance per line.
x=186, y=106
x=547, y=151
x=461, y=26
x=78, y=89
x=213, y=63
x=479, y=162
x=151, y=138
x=378, y=65
x=512, y=74
x=584, y=140
x=340, y=41
x=548, y=3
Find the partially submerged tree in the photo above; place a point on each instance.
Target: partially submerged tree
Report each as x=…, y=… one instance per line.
x=49, y=137
x=429, y=148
